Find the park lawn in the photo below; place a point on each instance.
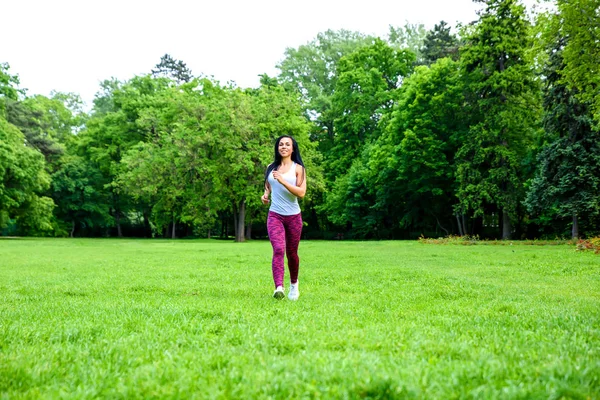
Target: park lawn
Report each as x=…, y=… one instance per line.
x=87, y=318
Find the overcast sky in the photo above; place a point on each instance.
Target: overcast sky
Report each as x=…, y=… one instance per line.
x=72, y=45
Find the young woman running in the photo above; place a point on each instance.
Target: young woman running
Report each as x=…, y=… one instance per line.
x=285, y=181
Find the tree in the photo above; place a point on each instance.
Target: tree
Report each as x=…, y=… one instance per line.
x=410, y=37
x=172, y=69
x=404, y=180
x=311, y=71
x=23, y=181
x=169, y=171
x=23, y=178
x=115, y=128
x=367, y=84
x=439, y=43
x=47, y=123
x=9, y=84
x=580, y=22
x=567, y=181
x=426, y=129
x=77, y=190
x=208, y=151
x=503, y=102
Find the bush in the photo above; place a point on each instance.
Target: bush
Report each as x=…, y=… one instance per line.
x=592, y=244
x=451, y=239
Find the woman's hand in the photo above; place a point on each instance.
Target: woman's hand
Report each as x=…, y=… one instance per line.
x=278, y=176
x=265, y=198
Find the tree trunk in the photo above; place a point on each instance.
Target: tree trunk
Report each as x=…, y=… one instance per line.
x=147, y=226
x=118, y=219
x=235, y=221
x=173, y=235
x=440, y=225
x=330, y=132
x=460, y=229
x=224, y=227
x=249, y=230
x=72, y=229
x=575, y=230
x=506, y=225
x=240, y=221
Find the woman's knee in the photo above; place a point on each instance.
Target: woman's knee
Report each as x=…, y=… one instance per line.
x=292, y=254
x=278, y=251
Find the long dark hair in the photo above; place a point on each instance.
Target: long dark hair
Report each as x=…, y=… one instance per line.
x=277, y=158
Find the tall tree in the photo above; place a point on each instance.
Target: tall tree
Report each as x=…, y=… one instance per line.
x=9, y=86
x=504, y=105
x=311, y=70
x=580, y=23
x=209, y=151
x=170, y=68
x=114, y=129
x=404, y=181
x=23, y=181
x=439, y=43
x=367, y=84
x=23, y=178
x=47, y=123
x=409, y=37
x=426, y=130
x=79, y=195
x=567, y=182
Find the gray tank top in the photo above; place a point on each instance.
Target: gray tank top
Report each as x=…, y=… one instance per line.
x=282, y=201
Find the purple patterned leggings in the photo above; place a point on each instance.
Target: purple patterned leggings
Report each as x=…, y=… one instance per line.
x=284, y=234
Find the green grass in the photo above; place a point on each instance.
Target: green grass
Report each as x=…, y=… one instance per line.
x=196, y=319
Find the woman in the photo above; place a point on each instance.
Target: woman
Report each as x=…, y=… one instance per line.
x=285, y=181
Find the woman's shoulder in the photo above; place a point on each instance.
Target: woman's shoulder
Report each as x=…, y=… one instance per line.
x=299, y=168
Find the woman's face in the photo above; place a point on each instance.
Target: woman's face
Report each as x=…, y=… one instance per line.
x=286, y=147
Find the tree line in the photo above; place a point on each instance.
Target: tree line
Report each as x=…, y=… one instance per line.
x=490, y=129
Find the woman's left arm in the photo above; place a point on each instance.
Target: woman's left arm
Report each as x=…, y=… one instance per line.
x=299, y=189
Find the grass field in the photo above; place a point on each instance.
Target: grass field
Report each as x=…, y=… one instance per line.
x=195, y=319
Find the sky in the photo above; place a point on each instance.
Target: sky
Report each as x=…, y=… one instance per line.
x=73, y=45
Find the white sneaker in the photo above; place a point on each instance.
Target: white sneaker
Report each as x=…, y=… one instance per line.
x=294, y=291
x=279, y=293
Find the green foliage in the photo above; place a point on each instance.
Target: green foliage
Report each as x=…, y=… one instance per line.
x=405, y=178
x=30, y=121
x=567, y=181
x=439, y=43
x=77, y=190
x=568, y=177
x=392, y=151
x=426, y=130
x=8, y=84
x=114, y=128
x=579, y=21
x=47, y=123
x=170, y=68
x=207, y=151
x=409, y=37
x=367, y=84
x=503, y=100
x=311, y=71
x=23, y=181
x=166, y=319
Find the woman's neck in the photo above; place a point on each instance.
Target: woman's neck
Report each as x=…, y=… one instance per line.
x=286, y=161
